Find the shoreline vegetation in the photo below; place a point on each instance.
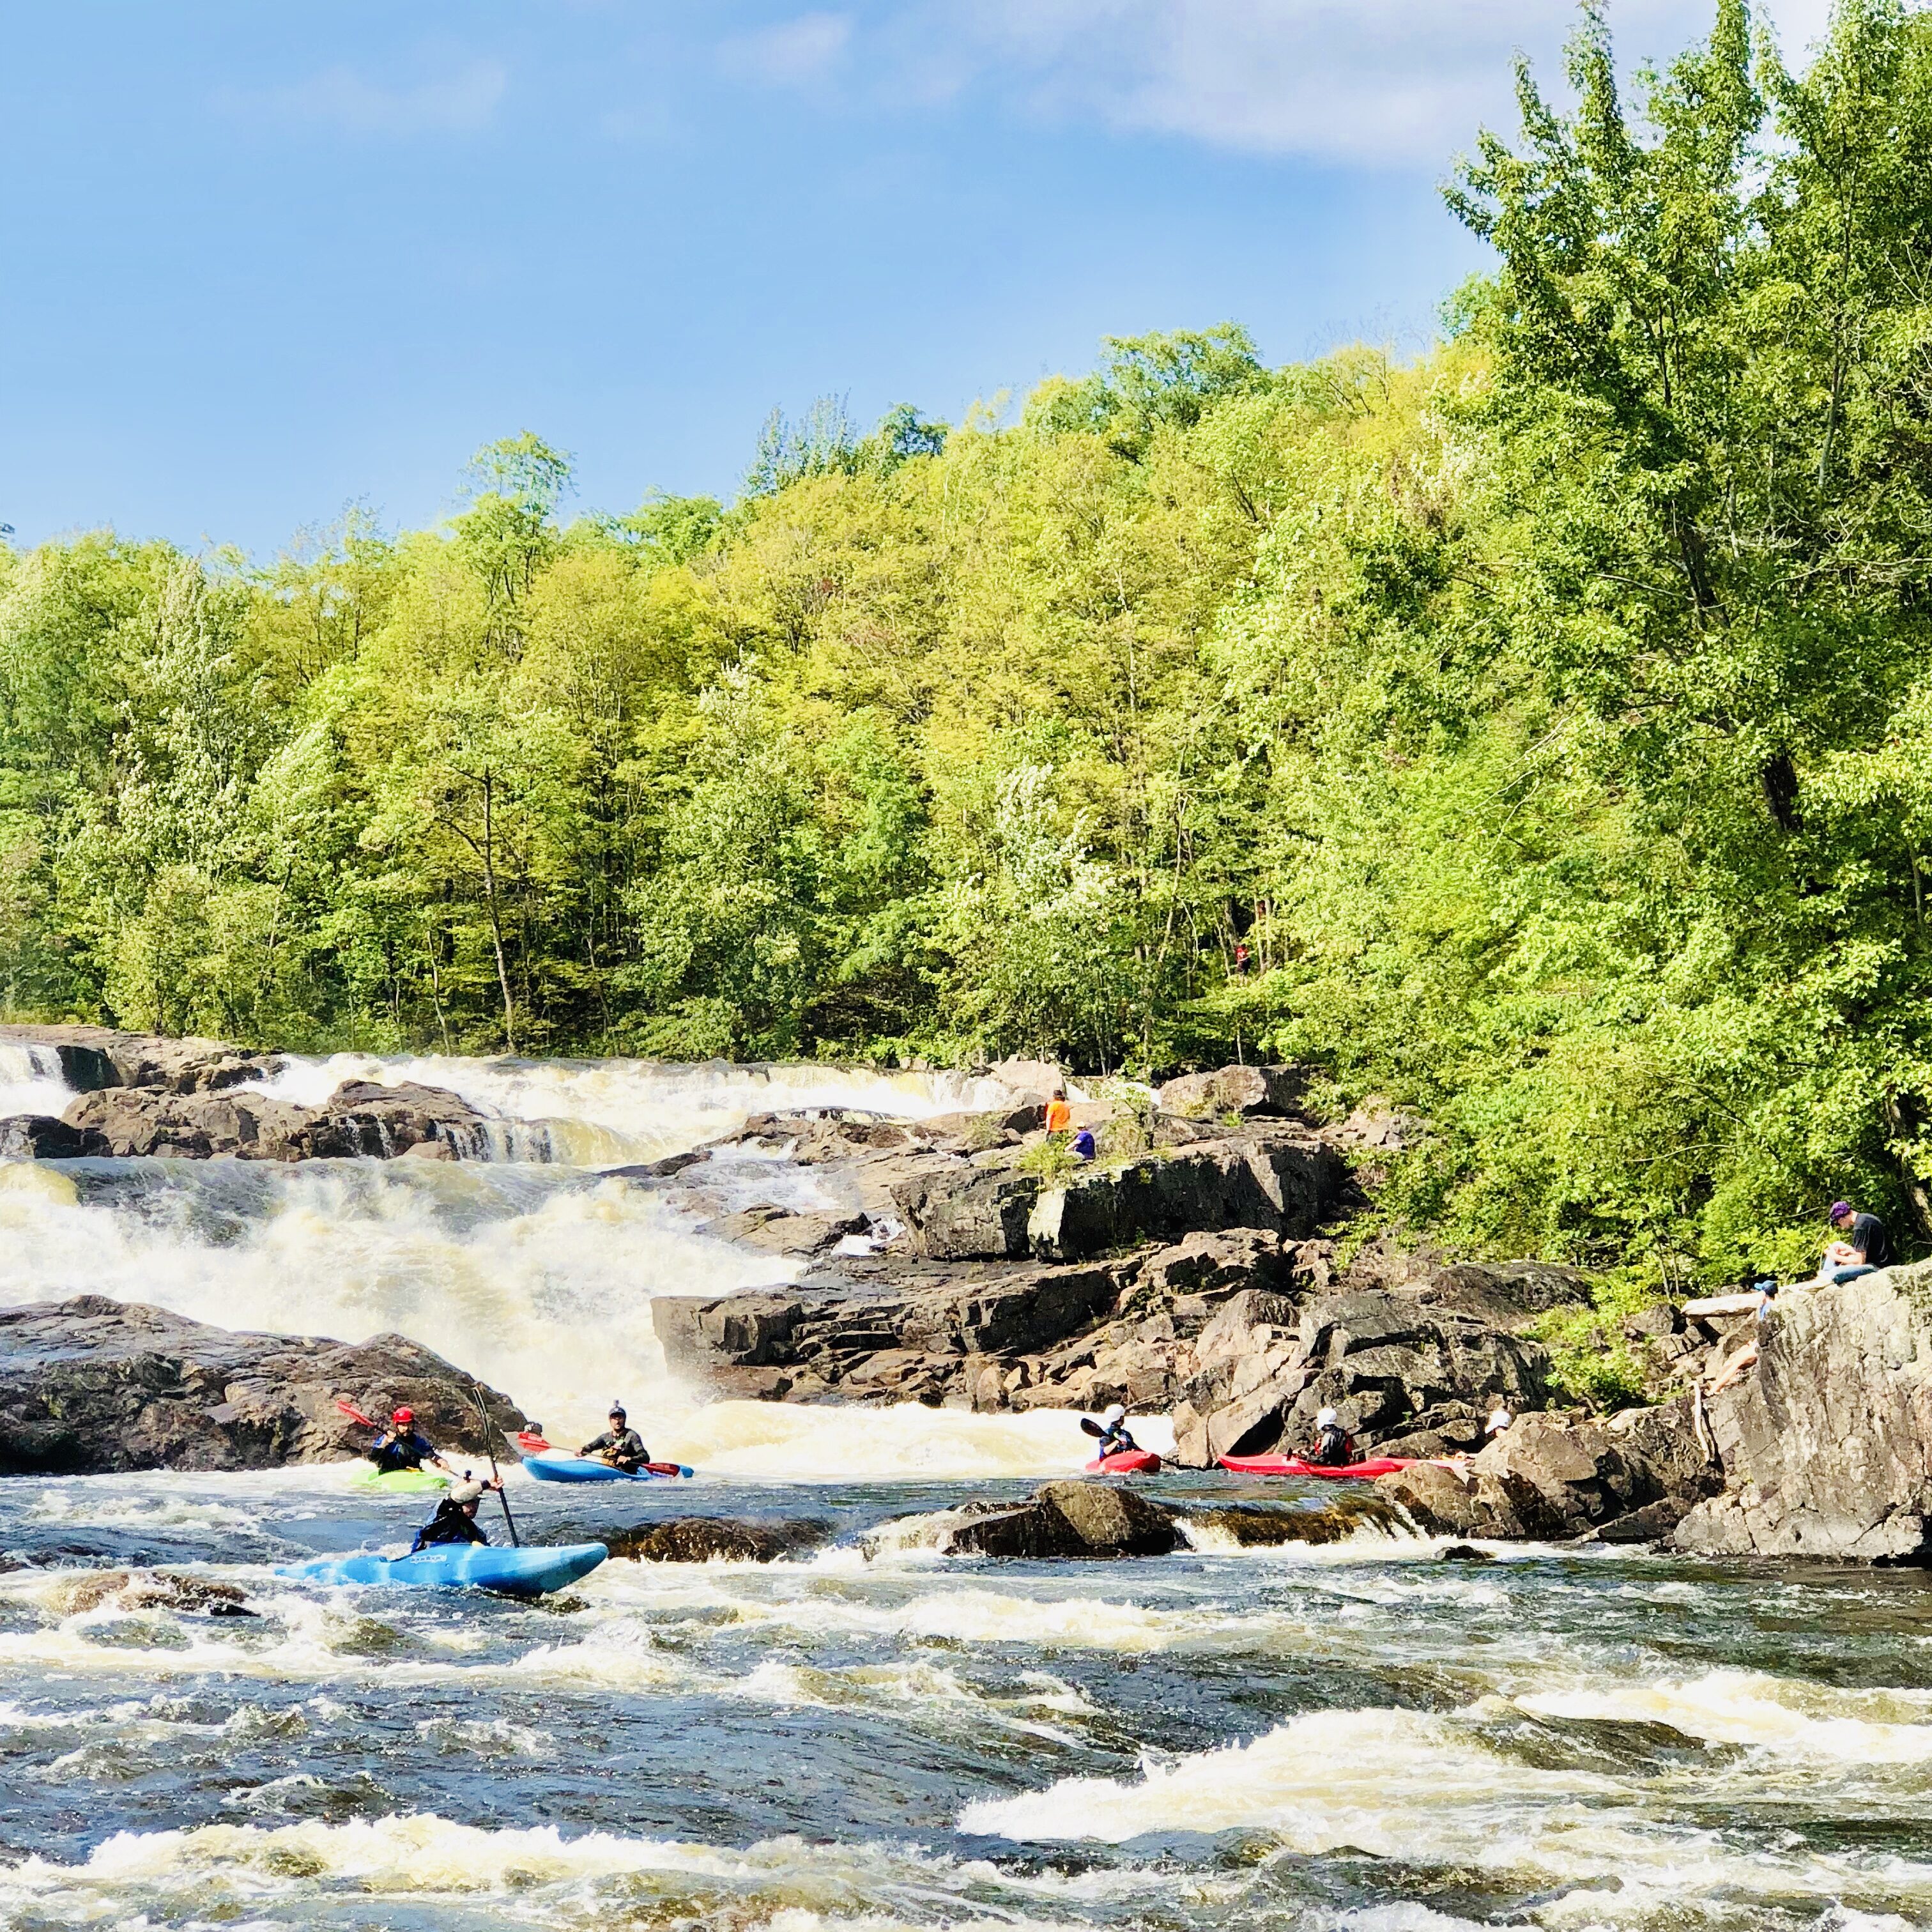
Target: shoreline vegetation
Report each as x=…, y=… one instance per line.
x=1536, y=734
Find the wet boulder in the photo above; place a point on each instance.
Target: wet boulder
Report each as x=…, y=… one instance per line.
x=711, y=1539
x=1071, y=1520
x=90, y=1385
x=40, y=1137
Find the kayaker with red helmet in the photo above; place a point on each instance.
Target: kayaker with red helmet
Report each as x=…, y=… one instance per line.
x=402, y=1446
x=620, y=1445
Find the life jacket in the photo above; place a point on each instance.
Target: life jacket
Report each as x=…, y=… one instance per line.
x=1116, y=1441
x=407, y=1452
x=1334, y=1448
x=451, y=1523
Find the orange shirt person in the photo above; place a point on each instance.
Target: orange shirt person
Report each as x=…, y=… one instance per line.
x=1059, y=1114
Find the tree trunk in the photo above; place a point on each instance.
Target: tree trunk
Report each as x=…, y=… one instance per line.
x=496, y=915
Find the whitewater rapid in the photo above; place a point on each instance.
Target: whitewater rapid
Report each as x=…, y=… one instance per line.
x=538, y=1275
x=1354, y=1736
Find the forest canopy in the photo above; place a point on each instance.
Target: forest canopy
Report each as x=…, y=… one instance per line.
x=1537, y=733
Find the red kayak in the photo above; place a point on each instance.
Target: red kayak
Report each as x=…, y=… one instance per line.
x=1126, y=1462
x=1293, y=1466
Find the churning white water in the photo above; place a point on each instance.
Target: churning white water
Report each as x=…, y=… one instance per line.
x=1350, y=1737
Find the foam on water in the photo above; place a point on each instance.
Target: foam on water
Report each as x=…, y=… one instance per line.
x=1428, y=1787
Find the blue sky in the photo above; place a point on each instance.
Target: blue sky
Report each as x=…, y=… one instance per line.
x=264, y=258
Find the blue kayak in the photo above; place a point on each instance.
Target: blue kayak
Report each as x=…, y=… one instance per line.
x=588, y=1469
x=528, y=1572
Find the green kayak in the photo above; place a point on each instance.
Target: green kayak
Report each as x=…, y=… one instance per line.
x=400, y=1482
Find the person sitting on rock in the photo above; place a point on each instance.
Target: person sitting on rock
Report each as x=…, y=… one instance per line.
x=1333, y=1447
x=1114, y=1440
x=402, y=1447
x=455, y=1518
x=1499, y=1419
x=1081, y=1146
x=620, y=1445
x=1862, y=1247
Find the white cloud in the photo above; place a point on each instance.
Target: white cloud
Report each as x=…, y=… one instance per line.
x=796, y=53
x=1400, y=82
x=460, y=101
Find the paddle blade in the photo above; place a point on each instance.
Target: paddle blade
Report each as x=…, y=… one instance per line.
x=1092, y=1427
x=529, y=1441
x=667, y=1469
x=354, y=1414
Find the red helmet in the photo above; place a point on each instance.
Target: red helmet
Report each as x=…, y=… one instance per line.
x=405, y=1416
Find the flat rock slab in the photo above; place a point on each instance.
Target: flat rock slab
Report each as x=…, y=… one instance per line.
x=90, y=1385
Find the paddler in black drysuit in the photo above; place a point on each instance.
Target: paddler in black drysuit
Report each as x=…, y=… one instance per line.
x=1114, y=1440
x=1333, y=1447
x=455, y=1518
x=620, y=1445
x=402, y=1447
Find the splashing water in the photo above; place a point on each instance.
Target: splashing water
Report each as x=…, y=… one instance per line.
x=30, y=1079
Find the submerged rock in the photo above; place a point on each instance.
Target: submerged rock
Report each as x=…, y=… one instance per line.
x=91, y=1385
x=704, y=1539
x=150, y=1590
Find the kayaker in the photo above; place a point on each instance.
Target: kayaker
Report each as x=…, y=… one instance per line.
x=455, y=1518
x=620, y=1445
x=1114, y=1440
x=1333, y=1447
x=402, y=1446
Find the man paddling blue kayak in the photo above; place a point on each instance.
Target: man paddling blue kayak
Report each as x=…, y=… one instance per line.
x=620, y=1445
x=455, y=1518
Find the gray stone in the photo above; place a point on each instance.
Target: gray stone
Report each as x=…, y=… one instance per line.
x=90, y=1385
x=1235, y=1090
x=40, y=1137
x=706, y=1539
x=1076, y=1520
x=1824, y=1443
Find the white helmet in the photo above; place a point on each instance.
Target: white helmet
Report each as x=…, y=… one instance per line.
x=467, y=1491
x=1116, y=1413
x=1326, y=1417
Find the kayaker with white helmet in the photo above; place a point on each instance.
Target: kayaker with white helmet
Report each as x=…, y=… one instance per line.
x=1333, y=1447
x=620, y=1445
x=402, y=1446
x=455, y=1518
x=1114, y=1440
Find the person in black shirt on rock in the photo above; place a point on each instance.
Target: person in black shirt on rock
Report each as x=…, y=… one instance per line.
x=1862, y=1247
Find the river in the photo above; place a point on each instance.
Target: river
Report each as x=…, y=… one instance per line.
x=1356, y=1735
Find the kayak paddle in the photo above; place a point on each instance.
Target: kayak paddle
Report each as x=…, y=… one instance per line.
x=490, y=1450
x=1092, y=1427
x=531, y=1441
x=355, y=1414
x=667, y=1469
